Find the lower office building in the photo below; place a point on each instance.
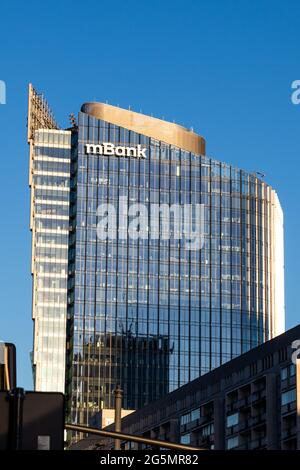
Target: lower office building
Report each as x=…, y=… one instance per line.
x=252, y=402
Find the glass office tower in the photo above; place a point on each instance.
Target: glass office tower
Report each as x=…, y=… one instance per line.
x=49, y=179
x=146, y=312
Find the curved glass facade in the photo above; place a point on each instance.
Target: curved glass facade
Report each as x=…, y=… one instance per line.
x=149, y=314
x=143, y=308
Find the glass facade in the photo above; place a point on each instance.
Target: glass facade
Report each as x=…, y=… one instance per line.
x=149, y=314
x=145, y=313
x=50, y=190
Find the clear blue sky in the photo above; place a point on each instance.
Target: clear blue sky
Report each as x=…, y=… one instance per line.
x=223, y=67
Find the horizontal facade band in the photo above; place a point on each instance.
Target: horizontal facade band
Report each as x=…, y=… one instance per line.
x=50, y=231
x=44, y=158
x=52, y=217
x=51, y=202
x=51, y=245
x=51, y=188
x=51, y=260
x=50, y=173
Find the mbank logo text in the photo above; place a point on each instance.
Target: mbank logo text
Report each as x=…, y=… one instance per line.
x=107, y=148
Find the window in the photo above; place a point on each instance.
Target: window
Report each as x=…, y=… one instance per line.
x=284, y=373
x=188, y=417
x=207, y=430
x=292, y=370
x=195, y=414
x=185, y=439
x=185, y=419
x=288, y=397
x=289, y=371
x=232, y=420
x=232, y=442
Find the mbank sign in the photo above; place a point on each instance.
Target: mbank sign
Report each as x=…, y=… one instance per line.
x=107, y=148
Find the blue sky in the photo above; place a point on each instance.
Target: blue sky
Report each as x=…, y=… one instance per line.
x=223, y=67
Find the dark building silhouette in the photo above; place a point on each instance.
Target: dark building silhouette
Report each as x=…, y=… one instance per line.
x=110, y=360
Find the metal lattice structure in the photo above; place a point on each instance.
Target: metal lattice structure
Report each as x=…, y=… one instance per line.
x=40, y=115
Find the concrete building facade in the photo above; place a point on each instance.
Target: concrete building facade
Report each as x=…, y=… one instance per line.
x=250, y=403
